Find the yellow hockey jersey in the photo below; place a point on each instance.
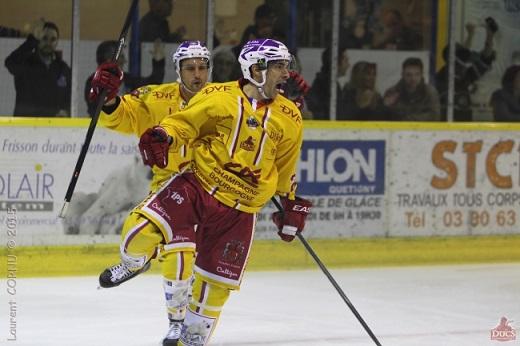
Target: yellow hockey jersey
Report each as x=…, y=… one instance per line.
x=243, y=153
x=144, y=108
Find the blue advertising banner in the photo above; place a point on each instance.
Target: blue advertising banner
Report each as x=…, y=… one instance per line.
x=342, y=167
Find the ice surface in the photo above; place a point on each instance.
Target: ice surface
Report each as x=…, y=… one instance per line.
x=419, y=306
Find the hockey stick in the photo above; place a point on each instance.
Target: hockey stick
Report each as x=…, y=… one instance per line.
x=330, y=277
x=95, y=117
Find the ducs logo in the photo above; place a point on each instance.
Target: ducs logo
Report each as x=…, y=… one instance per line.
x=26, y=191
x=503, y=332
x=341, y=168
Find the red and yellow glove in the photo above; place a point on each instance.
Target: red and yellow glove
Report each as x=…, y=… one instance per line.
x=292, y=220
x=109, y=77
x=153, y=145
x=296, y=88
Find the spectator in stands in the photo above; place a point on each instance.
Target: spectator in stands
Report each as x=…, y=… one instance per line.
x=154, y=24
x=470, y=66
x=411, y=99
x=41, y=77
x=10, y=32
x=357, y=35
x=396, y=34
x=319, y=95
x=104, y=53
x=223, y=65
x=506, y=101
x=360, y=97
x=263, y=26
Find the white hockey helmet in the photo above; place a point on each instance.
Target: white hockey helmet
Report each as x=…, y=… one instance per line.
x=190, y=49
x=261, y=52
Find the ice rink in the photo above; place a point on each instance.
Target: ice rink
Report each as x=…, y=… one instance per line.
x=413, y=306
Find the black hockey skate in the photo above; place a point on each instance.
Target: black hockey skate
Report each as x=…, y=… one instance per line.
x=119, y=273
x=174, y=333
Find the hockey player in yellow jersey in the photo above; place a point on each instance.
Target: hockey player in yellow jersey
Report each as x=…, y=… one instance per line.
x=246, y=141
x=145, y=107
x=133, y=114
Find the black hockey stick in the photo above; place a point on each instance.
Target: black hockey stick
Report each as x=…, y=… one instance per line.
x=330, y=277
x=95, y=117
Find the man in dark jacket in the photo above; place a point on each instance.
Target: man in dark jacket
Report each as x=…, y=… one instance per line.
x=318, y=99
x=41, y=78
x=411, y=99
x=154, y=24
x=104, y=53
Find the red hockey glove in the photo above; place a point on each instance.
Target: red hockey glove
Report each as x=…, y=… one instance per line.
x=108, y=76
x=292, y=221
x=296, y=88
x=154, y=144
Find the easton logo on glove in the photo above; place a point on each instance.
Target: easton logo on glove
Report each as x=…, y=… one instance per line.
x=153, y=145
x=292, y=220
x=301, y=208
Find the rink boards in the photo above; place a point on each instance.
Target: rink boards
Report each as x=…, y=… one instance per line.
x=365, y=179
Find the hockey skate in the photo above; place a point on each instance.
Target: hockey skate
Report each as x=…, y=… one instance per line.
x=174, y=333
x=117, y=274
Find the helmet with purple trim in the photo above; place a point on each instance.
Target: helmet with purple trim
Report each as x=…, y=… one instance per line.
x=190, y=49
x=261, y=52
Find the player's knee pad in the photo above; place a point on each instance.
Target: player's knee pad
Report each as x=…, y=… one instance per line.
x=208, y=298
x=176, y=295
x=177, y=265
x=140, y=239
x=203, y=312
x=177, y=269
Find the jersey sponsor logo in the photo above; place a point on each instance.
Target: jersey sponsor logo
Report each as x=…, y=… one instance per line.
x=248, y=144
x=180, y=239
x=342, y=168
x=173, y=195
x=227, y=272
x=275, y=136
x=157, y=207
x=252, y=122
x=213, y=88
x=163, y=95
x=140, y=91
x=245, y=173
x=296, y=116
x=228, y=182
x=233, y=252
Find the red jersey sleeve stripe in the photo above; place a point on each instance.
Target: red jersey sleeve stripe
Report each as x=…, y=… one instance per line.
x=265, y=119
x=238, y=126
